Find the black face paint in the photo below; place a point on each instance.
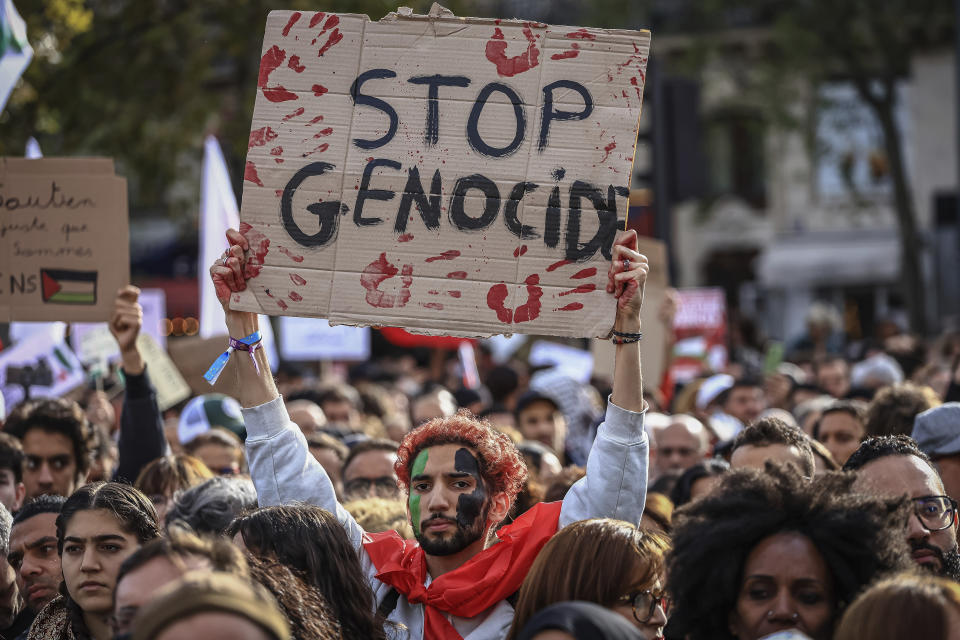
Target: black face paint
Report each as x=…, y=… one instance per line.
x=469, y=505
x=471, y=513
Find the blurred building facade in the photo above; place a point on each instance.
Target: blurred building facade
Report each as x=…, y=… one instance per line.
x=796, y=215
x=781, y=216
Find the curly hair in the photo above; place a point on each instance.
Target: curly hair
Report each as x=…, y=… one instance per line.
x=313, y=543
x=501, y=464
x=768, y=431
x=894, y=408
x=53, y=415
x=376, y=515
x=860, y=538
x=210, y=507
x=881, y=447
x=303, y=605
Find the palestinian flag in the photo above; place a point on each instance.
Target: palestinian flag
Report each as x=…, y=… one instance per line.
x=65, y=286
x=15, y=50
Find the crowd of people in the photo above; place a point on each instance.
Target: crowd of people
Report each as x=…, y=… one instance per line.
x=815, y=497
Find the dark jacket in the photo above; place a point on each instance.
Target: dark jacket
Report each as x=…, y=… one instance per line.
x=141, y=428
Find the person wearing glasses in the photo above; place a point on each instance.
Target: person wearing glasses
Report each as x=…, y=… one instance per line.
x=368, y=470
x=771, y=551
x=608, y=562
x=895, y=466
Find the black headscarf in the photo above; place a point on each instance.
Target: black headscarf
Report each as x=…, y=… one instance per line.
x=582, y=620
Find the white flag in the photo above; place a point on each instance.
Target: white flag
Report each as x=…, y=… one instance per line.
x=219, y=212
x=15, y=50
x=33, y=148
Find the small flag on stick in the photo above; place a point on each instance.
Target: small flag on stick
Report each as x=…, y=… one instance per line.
x=15, y=50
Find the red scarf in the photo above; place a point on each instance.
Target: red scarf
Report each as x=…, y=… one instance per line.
x=492, y=575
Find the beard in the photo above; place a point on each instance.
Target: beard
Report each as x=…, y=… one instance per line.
x=951, y=565
x=462, y=536
x=949, y=560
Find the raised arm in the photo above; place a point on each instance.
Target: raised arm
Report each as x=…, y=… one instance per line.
x=281, y=465
x=616, y=482
x=141, y=423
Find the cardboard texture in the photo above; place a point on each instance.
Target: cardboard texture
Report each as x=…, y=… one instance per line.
x=64, y=239
x=170, y=385
x=652, y=350
x=192, y=357
x=455, y=176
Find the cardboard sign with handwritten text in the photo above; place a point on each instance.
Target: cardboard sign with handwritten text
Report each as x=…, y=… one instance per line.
x=64, y=240
x=446, y=175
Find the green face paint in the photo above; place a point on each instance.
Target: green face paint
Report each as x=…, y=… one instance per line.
x=419, y=464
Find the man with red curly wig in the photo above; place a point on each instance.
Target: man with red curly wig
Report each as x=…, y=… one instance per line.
x=460, y=477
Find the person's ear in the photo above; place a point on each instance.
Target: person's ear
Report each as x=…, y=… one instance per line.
x=21, y=493
x=499, y=507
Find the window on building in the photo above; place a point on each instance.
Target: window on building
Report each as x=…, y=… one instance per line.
x=850, y=151
x=735, y=152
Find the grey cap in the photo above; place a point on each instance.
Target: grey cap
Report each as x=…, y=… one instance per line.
x=937, y=430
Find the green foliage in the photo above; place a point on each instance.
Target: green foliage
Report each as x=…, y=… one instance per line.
x=143, y=81
x=867, y=43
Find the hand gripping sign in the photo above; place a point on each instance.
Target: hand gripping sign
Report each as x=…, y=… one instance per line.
x=447, y=175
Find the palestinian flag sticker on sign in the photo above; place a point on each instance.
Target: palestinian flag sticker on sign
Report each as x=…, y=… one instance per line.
x=66, y=286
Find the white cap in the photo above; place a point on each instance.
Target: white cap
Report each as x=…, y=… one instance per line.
x=879, y=370
x=725, y=426
x=711, y=388
x=207, y=411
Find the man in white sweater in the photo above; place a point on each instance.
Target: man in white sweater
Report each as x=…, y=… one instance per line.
x=460, y=478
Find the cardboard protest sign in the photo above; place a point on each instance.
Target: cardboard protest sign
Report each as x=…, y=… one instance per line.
x=446, y=175
x=701, y=333
x=652, y=353
x=64, y=240
x=170, y=385
x=94, y=344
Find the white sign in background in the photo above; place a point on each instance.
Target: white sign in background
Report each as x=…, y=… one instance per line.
x=50, y=363
x=94, y=343
x=311, y=339
x=575, y=363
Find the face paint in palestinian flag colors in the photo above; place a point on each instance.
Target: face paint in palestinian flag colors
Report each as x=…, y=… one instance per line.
x=419, y=464
x=469, y=505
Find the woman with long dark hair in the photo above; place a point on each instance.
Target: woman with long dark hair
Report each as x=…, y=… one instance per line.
x=311, y=541
x=99, y=527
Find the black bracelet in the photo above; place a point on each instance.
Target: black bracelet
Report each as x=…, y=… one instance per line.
x=616, y=340
x=624, y=334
